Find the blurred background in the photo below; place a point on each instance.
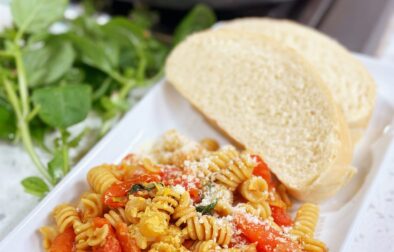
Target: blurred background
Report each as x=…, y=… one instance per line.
x=363, y=26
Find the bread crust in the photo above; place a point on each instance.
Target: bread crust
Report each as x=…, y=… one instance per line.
x=333, y=177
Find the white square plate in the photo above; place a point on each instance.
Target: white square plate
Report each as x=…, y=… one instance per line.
x=163, y=108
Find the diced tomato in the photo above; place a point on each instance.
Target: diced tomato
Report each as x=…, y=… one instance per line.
x=267, y=238
x=195, y=194
x=237, y=239
x=111, y=243
x=64, y=242
x=261, y=169
x=116, y=195
x=127, y=242
x=175, y=176
x=281, y=217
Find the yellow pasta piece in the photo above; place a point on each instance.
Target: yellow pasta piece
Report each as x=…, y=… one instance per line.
x=210, y=144
x=153, y=223
x=206, y=227
x=254, y=189
x=92, y=206
x=312, y=245
x=135, y=205
x=204, y=246
x=65, y=215
x=228, y=167
x=185, y=210
x=88, y=236
x=100, y=178
x=48, y=235
x=306, y=220
x=116, y=216
x=165, y=200
x=142, y=241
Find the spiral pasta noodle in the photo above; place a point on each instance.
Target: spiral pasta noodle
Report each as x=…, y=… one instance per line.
x=116, y=216
x=92, y=205
x=166, y=200
x=100, y=178
x=306, y=220
x=150, y=166
x=65, y=215
x=162, y=247
x=88, y=236
x=141, y=240
x=153, y=223
x=312, y=245
x=254, y=189
x=135, y=205
x=184, y=211
x=204, y=246
x=206, y=228
x=48, y=235
x=228, y=167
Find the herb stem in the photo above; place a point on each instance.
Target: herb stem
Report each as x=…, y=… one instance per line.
x=22, y=82
x=6, y=54
x=66, y=165
x=24, y=129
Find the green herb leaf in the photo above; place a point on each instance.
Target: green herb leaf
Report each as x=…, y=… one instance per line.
x=35, y=186
x=48, y=63
x=63, y=106
x=144, y=17
x=207, y=209
x=136, y=188
x=92, y=53
x=55, y=166
x=199, y=18
x=76, y=140
x=7, y=121
x=37, y=15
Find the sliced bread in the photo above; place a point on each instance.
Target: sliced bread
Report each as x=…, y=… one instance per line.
x=350, y=83
x=268, y=99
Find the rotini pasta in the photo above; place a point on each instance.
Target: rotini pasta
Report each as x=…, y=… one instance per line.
x=306, y=220
x=65, y=215
x=205, y=228
x=134, y=207
x=228, y=167
x=166, y=200
x=92, y=206
x=88, y=236
x=48, y=235
x=101, y=178
x=184, y=211
x=254, y=189
x=312, y=245
x=176, y=200
x=116, y=216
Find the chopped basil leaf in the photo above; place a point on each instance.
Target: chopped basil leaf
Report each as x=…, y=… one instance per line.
x=135, y=188
x=207, y=209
